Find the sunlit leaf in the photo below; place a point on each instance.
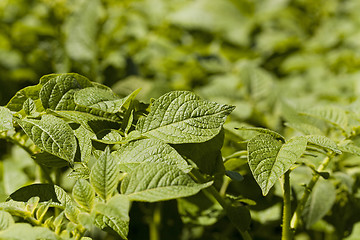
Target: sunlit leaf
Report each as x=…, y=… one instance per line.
x=51, y=134
x=182, y=117
x=6, y=119
x=84, y=194
x=324, y=142
x=6, y=220
x=104, y=175
x=114, y=214
x=58, y=90
x=20, y=231
x=134, y=153
x=269, y=158
x=153, y=182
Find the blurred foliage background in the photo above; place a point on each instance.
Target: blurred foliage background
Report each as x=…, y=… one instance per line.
x=249, y=53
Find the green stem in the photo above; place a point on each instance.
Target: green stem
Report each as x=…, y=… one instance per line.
x=212, y=191
x=286, y=229
x=301, y=205
x=155, y=222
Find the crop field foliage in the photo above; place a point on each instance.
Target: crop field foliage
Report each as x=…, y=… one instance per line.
x=181, y=119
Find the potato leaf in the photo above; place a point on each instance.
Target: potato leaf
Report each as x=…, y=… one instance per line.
x=52, y=135
x=182, y=117
x=104, y=175
x=269, y=158
x=134, y=153
x=153, y=182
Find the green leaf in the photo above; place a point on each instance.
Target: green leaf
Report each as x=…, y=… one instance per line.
x=134, y=153
x=44, y=191
x=84, y=194
x=29, y=106
x=51, y=134
x=6, y=119
x=114, y=214
x=80, y=172
x=64, y=199
x=58, y=90
x=349, y=147
x=15, y=208
x=83, y=118
x=265, y=131
x=49, y=160
x=305, y=128
x=320, y=202
x=20, y=231
x=16, y=103
x=153, y=182
x=102, y=99
x=182, y=117
x=84, y=137
x=324, y=142
x=269, y=159
x=111, y=137
x=332, y=114
x=81, y=29
x=206, y=155
x=104, y=175
x=6, y=220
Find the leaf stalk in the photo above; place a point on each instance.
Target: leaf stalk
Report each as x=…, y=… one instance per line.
x=286, y=228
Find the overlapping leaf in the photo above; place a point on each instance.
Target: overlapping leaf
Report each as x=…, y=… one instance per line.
x=16, y=103
x=182, y=117
x=134, y=153
x=58, y=90
x=6, y=119
x=153, y=182
x=114, y=214
x=269, y=158
x=104, y=175
x=324, y=142
x=51, y=134
x=84, y=194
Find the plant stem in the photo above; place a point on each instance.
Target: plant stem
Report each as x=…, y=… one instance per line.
x=301, y=205
x=155, y=222
x=212, y=191
x=286, y=229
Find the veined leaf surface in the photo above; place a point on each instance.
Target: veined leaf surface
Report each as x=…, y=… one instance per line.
x=151, y=182
x=16, y=103
x=84, y=194
x=269, y=159
x=6, y=119
x=182, y=117
x=104, y=175
x=114, y=214
x=5, y=220
x=52, y=135
x=324, y=142
x=59, y=89
x=134, y=153
x=332, y=114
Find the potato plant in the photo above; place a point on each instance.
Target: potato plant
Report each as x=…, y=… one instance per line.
x=122, y=154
